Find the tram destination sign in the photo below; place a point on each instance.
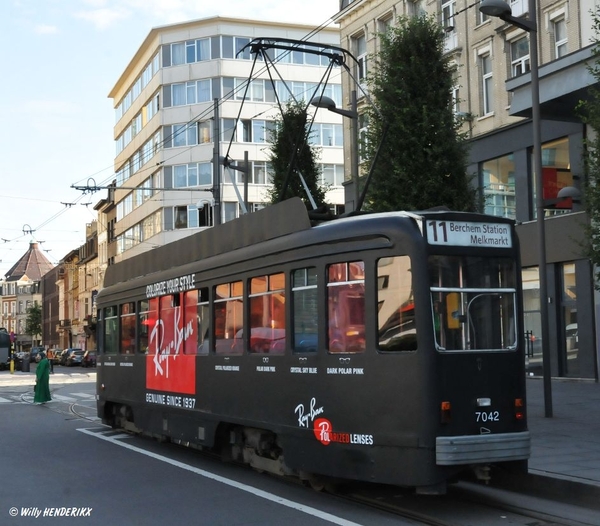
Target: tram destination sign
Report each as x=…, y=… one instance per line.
x=469, y=234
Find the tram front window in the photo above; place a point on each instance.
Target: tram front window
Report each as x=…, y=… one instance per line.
x=473, y=303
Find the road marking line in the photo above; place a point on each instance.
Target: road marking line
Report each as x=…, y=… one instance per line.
x=238, y=485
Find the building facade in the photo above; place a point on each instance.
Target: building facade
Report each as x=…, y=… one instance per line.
x=186, y=86
x=493, y=95
x=19, y=291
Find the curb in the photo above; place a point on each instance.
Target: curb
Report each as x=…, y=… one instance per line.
x=551, y=486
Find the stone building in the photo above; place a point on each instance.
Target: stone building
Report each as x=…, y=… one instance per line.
x=493, y=95
x=20, y=291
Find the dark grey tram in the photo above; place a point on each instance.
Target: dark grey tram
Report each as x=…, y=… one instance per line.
x=379, y=347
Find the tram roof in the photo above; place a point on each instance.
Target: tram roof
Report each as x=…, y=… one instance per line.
x=271, y=222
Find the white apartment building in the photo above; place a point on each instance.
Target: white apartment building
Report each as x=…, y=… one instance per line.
x=165, y=127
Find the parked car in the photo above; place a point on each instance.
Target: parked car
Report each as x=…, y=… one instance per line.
x=89, y=359
x=75, y=357
x=34, y=353
x=61, y=357
x=64, y=357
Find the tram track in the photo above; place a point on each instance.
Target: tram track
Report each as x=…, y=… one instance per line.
x=520, y=508
x=466, y=501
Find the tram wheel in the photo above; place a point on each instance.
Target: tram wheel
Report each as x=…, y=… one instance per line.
x=320, y=483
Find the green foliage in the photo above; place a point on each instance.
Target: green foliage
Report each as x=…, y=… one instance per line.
x=589, y=110
x=33, y=322
x=423, y=161
x=291, y=153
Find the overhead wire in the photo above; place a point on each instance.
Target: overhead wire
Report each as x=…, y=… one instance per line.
x=197, y=118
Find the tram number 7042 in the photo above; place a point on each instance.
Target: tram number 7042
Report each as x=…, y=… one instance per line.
x=487, y=416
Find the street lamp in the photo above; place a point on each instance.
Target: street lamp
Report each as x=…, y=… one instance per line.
x=329, y=104
x=502, y=10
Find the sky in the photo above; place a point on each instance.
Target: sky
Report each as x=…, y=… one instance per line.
x=60, y=60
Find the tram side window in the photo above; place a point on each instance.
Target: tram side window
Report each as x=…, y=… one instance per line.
x=187, y=325
x=346, y=307
x=228, y=318
x=203, y=321
x=304, y=317
x=267, y=314
x=154, y=326
x=143, y=330
x=111, y=330
x=128, y=328
x=396, y=328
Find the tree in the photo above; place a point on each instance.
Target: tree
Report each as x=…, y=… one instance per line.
x=424, y=157
x=33, y=322
x=291, y=155
x=589, y=111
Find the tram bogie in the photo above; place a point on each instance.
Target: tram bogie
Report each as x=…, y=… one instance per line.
x=383, y=348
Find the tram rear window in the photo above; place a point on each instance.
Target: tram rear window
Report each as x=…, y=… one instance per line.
x=473, y=303
x=396, y=326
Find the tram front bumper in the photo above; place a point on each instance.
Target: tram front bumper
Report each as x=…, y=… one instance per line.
x=482, y=449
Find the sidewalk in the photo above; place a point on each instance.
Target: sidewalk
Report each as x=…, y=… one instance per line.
x=61, y=375
x=567, y=445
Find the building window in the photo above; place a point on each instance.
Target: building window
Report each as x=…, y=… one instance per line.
x=519, y=56
x=456, y=99
x=193, y=92
x=193, y=174
x=498, y=182
x=556, y=174
x=487, y=84
x=190, y=216
x=332, y=174
x=448, y=23
x=519, y=7
x=327, y=135
x=360, y=48
x=205, y=132
x=560, y=37
x=181, y=135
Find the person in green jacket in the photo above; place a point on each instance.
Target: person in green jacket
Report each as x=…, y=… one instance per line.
x=42, y=380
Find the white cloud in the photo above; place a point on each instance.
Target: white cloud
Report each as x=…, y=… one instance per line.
x=175, y=11
x=45, y=29
x=103, y=18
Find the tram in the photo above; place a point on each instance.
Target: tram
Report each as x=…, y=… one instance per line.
x=378, y=347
